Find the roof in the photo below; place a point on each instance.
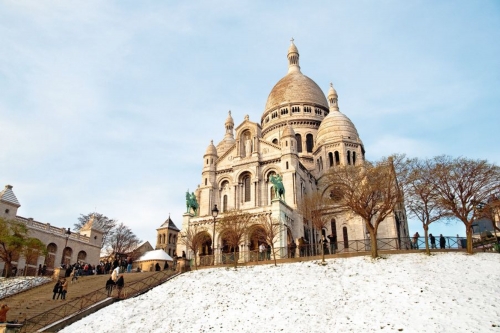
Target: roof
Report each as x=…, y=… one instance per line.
x=7, y=195
x=169, y=224
x=155, y=255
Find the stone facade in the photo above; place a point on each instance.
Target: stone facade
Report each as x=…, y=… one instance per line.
x=166, y=237
x=301, y=134
x=84, y=245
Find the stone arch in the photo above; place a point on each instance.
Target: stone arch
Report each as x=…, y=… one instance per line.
x=67, y=254
x=50, y=258
x=82, y=256
x=228, y=255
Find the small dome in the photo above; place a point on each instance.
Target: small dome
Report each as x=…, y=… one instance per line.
x=211, y=150
x=332, y=91
x=292, y=48
x=334, y=127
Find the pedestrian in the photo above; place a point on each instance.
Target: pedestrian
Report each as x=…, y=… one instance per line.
x=415, y=240
x=56, y=288
x=3, y=313
x=262, y=248
x=433, y=241
x=115, y=273
x=129, y=264
x=64, y=289
x=40, y=270
x=120, y=283
x=268, y=249
x=324, y=242
x=109, y=286
x=442, y=242
x=293, y=249
x=333, y=239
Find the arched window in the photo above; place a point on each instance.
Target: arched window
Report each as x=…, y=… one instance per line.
x=287, y=165
x=309, y=143
x=330, y=159
x=337, y=158
x=298, y=138
x=348, y=157
x=82, y=256
x=275, y=141
x=246, y=188
x=224, y=203
x=333, y=226
x=206, y=181
x=346, y=238
x=353, y=158
x=321, y=163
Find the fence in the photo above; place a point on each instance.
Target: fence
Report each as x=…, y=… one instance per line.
x=243, y=255
x=77, y=305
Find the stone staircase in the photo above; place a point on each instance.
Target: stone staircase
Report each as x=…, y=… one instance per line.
x=35, y=301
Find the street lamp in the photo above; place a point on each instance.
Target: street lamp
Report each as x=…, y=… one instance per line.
x=215, y=212
x=67, y=233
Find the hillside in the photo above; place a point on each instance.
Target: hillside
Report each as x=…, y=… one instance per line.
x=447, y=292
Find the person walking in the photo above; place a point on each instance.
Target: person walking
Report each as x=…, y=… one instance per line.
x=415, y=240
x=56, y=288
x=433, y=241
x=333, y=239
x=293, y=249
x=129, y=264
x=120, y=283
x=109, y=286
x=262, y=249
x=64, y=289
x=442, y=242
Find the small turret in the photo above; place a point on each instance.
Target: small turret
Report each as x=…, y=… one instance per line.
x=333, y=99
x=293, y=58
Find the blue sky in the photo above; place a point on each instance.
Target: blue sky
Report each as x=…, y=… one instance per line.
x=109, y=106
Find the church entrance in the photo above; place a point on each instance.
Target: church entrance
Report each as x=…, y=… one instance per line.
x=229, y=253
x=205, y=250
x=256, y=237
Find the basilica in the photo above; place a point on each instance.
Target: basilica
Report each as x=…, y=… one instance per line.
x=300, y=135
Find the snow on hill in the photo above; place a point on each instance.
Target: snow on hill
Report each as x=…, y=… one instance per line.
x=446, y=292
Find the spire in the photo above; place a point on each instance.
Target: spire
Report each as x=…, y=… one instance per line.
x=229, y=124
x=333, y=98
x=293, y=58
x=7, y=195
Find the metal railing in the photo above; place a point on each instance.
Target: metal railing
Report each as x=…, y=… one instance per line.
x=74, y=306
x=341, y=247
x=12, y=286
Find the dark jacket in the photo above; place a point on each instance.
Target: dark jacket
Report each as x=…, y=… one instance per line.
x=57, y=287
x=110, y=283
x=120, y=282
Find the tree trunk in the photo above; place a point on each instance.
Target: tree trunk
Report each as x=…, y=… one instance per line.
x=274, y=255
x=234, y=258
x=322, y=251
x=195, y=265
x=373, y=242
x=468, y=231
x=426, y=235
x=8, y=269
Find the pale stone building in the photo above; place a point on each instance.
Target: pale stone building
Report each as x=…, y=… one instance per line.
x=300, y=135
x=166, y=237
x=84, y=245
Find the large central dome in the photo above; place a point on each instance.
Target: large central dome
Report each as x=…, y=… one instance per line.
x=295, y=87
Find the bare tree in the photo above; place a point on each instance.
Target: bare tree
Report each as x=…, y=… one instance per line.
x=193, y=239
x=462, y=185
x=370, y=190
x=122, y=239
x=318, y=209
x=269, y=231
x=102, y=222
x=421, y=195
x=232, y=227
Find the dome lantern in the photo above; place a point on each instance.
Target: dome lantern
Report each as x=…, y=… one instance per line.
x=293, y=58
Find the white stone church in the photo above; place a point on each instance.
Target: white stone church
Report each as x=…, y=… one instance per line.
x=301, y=134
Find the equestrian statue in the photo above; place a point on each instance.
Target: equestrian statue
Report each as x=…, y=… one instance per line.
x=279, y=189
x=191, y=203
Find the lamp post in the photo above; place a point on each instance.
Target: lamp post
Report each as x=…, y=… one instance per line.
x=67, y=233
x=215, y=212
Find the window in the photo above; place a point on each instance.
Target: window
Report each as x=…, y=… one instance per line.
x=246, y=188
x=318, y=112
x=224, y=203
x=298, y=138
x=206, y=182
x=284, y=111
x=307, y=109
x=309, y=143
x=275, y=141
x=346, y=238
x=349, y=157
x=330, y=159
x=287, y=165
x=333, y=225
x=337, y=158
x=295, y=109
x=353, y=158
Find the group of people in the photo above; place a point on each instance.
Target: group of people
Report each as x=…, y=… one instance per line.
x=432, y=239
x=116, y=279
x=60, y=289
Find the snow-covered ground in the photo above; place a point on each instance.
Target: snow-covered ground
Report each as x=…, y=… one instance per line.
x=16, y=285
x=446, y=292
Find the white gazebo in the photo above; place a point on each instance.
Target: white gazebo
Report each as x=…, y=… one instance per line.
x=148, y=261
